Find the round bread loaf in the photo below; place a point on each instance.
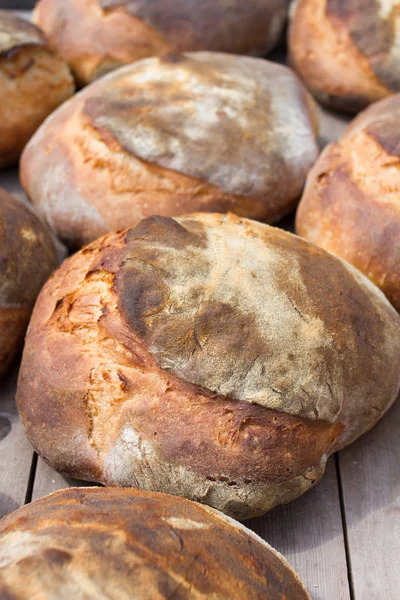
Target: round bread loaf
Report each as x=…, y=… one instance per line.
x=123, y=544
x=33, y=82
x=27, y=257
x=97, y=36
x=203, y=131
x=351, y=203
x=346, y=51
x=210, y=357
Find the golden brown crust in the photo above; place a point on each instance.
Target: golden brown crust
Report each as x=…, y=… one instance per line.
x=346, y=51
x=124, y=544
x=97, y=36
x=351, y=203
x=202, y=131
x=33, y=82
x=27, y=257
x=230, y=385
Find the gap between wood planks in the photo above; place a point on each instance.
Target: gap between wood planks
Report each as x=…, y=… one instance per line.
x=345, y=529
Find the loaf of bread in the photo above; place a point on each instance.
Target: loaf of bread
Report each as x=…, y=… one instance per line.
x=351, y=203
x=33, y=82
x=203, y=131
x=210, y=357
x=97, y=36
x=27, y=258
x=346, y=51
x=98, y=543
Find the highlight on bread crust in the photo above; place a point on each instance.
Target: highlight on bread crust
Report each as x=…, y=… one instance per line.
x=33, y=82
x=210, y=357
x=346, y=51
x=27, y=258
x=173, y=135
x=97, y=36
x=123, y=544
x=351, y=203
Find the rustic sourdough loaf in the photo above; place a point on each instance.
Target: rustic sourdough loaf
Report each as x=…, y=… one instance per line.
x=346, y=51
x=208, y=356
x=33, y=82
x=127, y=544
x=195, y=132
x=27, y=258
x=351, y=203
x=97, y=36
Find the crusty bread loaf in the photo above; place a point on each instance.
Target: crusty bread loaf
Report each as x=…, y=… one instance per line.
x=351, y=203
x=346, y=51
x=203, y=132
x=33, y=82
x=97, y=36
x=27, y=257
x=131, y=545
x=210, y=357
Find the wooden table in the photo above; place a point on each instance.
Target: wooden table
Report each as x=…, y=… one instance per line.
x=343, y=537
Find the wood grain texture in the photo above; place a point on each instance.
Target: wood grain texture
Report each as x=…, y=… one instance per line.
x=48, y=481
x=15, y=450
x=308, y=532
x=370, y=475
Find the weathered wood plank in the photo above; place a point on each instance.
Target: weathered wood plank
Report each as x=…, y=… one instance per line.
x=370, y=475
x=48, y=481
x=308, y=532
x=15, y=451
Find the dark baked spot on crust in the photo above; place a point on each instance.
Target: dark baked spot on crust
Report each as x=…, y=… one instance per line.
x=57, y=557
x=372, y=35
x=386, y=132
x=143, y=292
x=142, y=295
x=168, y=232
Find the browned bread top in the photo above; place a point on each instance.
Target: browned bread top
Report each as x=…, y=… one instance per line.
x=351, y=203
x=346, y=51
x=98, y=36
x=201, y=131
x=27, y=258
x=125, y=544
x=33, y=82
x=208, y=356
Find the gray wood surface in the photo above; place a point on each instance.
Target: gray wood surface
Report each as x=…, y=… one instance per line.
x=309, y=533
x=48, y=481
x=370, y=476
x=15, y=451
